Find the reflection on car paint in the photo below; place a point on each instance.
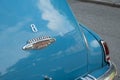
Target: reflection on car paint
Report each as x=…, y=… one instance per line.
x=54, y=17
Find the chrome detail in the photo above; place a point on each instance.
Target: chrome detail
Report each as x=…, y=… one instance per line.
x=38, y=43
x=102, y=42
x=92, y=77
x=108, y=75
x=112, y=70
x=34, y=29
x=88, y=77
x=47, y=78
x=85, y=39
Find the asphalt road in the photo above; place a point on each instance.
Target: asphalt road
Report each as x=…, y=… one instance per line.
x=104, y=20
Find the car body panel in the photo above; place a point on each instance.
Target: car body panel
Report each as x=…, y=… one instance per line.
x=22, y=21
x=94, y=49
x=74, y=51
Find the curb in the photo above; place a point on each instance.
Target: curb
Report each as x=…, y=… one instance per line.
x=112, y=4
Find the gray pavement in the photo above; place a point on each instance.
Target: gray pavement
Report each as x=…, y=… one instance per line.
x=113, y=3
x=105, y=21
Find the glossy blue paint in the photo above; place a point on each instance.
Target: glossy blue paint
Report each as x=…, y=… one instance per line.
x=67, y=58
x=59, y=60
x=96, y=37
x=94, y=48
x=100, y=72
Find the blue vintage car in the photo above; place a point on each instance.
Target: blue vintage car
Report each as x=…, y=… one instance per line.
x=41, y=40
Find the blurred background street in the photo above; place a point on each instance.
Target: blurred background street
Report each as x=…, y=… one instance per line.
x=105, y=21
x=115, y=1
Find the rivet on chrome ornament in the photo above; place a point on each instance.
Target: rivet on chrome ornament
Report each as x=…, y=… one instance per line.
x=38, y=43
